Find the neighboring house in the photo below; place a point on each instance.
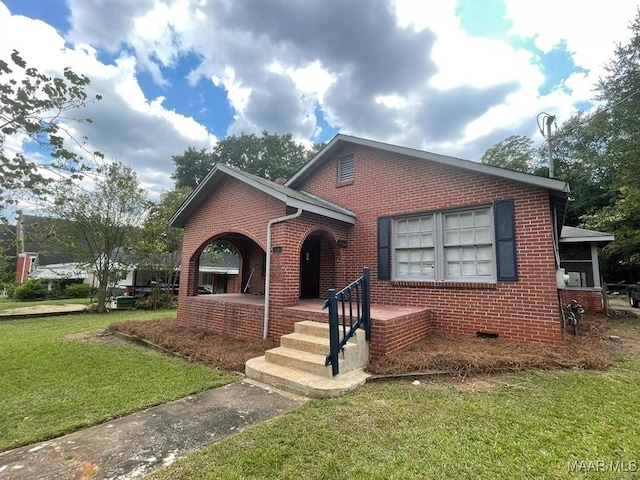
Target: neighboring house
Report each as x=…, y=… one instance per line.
x=37, y=259
x=453, y=245
x=219, y=275
x=579, y=259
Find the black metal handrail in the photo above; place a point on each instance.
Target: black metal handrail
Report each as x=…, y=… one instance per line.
x=361, y=290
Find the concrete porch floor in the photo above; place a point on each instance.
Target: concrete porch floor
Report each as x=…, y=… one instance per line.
x=313, y=306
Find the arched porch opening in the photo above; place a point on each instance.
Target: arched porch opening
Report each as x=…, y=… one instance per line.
x=229, y=263
x=317, y=265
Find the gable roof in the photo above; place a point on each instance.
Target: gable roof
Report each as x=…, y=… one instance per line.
x=290, y=197
x=579, y=235
x=341, y=139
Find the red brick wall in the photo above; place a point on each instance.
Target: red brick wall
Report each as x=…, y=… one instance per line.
x=232, y=208
x=389, y=184
x=590, y=300
x=243, y=321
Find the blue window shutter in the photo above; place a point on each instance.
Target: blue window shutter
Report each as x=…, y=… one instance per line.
x=384, y=248
x=505, y=226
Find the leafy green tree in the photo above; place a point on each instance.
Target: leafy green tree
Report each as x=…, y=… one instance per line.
x=268, y=156
x=516, y=152
x=620, y=90
x=160, y=246
x=33, y=107
x=99, y=226
x=191, y=167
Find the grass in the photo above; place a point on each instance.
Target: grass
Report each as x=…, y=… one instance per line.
x=50, y=384
x=9, y=303
x=533, y=428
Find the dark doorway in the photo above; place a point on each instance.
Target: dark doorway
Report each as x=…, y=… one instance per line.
x=310, y=268
x=221, y=284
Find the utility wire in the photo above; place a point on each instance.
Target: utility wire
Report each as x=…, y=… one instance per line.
x=589, y=118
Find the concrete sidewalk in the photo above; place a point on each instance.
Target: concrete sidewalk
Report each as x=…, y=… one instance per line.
x=137, y=444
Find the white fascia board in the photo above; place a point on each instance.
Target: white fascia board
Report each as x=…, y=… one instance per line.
x=604, y=238
x=325, y=212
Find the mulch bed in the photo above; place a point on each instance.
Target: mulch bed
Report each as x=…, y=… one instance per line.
x=196, y=344
x=467, y=355
x=458, y=354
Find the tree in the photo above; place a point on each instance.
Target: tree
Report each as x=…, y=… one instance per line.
x=32, y=106
x=100, y=226
x=191, y=167
x=270, y=156
x=620, y=90
x=516, y=152
x=160, y=246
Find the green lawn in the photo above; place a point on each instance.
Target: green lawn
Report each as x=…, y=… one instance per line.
x=532, y=428
x=9, y=303
x=50, y=385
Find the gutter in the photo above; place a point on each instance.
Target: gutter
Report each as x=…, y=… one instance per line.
x=267, y=275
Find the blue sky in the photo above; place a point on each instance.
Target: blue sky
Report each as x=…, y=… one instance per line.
x=452, y=76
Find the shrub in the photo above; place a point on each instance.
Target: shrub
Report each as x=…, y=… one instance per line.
x=78, y=290
x=31, y=290
x=9, y=289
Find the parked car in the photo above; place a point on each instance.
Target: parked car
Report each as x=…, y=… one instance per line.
x=633, y=291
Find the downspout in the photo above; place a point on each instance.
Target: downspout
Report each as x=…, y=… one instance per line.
x=267, y=275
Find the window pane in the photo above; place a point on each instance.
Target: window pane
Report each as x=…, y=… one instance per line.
x=466, y=237
x=485, y=268
x=414, y=240
x=426, y=240
x=452, y=238
x=453, y=269
x=402, y=255
x=468, y=253
x=483, y=235
x=469, y=269
x=452, y=254
x=403, y=269
x=414, y=225
x=451, y=221
x=484, y=253
x=415, y=256
x=426, y=224
x=482, y=218
x=466, y=220
x=403, y=241
x=403, y=226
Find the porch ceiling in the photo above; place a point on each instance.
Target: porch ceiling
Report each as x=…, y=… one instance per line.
x=292, y=198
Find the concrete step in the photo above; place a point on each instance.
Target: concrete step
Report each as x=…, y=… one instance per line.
x=307, y=343
x=302, y=382
x=299, y=359
x=319, y=329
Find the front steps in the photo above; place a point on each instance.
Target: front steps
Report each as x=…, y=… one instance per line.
x=297, y=365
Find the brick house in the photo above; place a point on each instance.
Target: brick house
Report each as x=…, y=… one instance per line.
x=453, y=245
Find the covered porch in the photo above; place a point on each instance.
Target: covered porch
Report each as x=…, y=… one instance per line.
x=394, y=327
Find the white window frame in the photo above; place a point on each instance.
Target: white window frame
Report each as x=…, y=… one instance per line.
x=439, y=272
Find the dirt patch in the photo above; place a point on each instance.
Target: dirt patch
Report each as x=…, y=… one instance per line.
x=102, y=336
x=196, y=344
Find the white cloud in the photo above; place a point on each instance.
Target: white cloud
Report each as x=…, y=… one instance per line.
x=126, y=124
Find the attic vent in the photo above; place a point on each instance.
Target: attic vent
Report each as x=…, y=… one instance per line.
x=346, y=170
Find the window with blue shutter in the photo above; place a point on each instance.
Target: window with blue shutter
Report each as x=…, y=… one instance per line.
x=505, y=229
x=384, y=248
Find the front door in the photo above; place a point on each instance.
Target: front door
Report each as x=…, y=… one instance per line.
x=310, y=268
